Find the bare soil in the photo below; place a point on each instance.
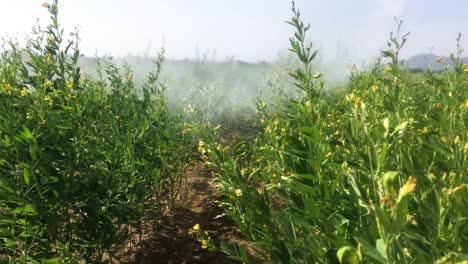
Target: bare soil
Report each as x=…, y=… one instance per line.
x=170, y=242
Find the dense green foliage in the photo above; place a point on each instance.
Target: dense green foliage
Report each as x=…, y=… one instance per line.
x=373, y=173
x=79, y=156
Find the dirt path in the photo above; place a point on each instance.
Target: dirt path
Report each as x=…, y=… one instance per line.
x=171, y=243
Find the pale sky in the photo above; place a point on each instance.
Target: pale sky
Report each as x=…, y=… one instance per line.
x=249, y=30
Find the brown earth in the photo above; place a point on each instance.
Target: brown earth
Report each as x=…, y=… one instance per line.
x=168, y=240
x=171, y=242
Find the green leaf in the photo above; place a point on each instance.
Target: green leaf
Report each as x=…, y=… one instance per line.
x=313, y=56
x=26, y=234
x=382, y=155
x=10, y=243
x=27, y=134
x=26, y=175
x=380, y=245
x=348, y=255
x=400, y=211
x=306, y=176
x=280, y=253
x=7, y=221
x=383, y=219
x=400, y=127
x=371, y=251
x=51, y=261
x=28, y=210
x=390, y=183
x=5, y=185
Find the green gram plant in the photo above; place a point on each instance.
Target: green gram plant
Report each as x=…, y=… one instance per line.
x=79, y=157
x=373, y=173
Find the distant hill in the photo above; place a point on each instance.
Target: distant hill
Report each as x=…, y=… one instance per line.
x=424, y=60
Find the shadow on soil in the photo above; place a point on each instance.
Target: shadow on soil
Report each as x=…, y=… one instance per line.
x=169, y=241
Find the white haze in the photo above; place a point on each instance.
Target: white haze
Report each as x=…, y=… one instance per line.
x=345, y=32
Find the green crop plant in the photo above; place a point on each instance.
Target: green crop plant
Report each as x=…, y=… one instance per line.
x=79, y=156
x=372, y=173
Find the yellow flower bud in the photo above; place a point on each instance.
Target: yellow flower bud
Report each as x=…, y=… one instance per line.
x=408, y=188
x=204, y=244
x=24, y=91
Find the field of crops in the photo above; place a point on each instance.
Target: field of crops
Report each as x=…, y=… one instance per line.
x=375, y=171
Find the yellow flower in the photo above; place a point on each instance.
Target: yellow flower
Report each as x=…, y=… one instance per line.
x=24, y=91
x=48, y=99
x=350, y=97
x=263, y=104
x=201, y=146
x=444, y=139
x=342, y=140
x=69, y=84
x=386, y=123
x=406, y=251
x=204, y=243
x=374, y=88
x=46, y=5
x=425, y=130
x=243, y=171
x=465, y=68
x=7, y=88
x=388, y=68
x=456, y=189
x=194, y=229
x=276, y=122
x=408, y=188
x=219, y=147
x=438, y=106
x=187, y=128
x=238, y=192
